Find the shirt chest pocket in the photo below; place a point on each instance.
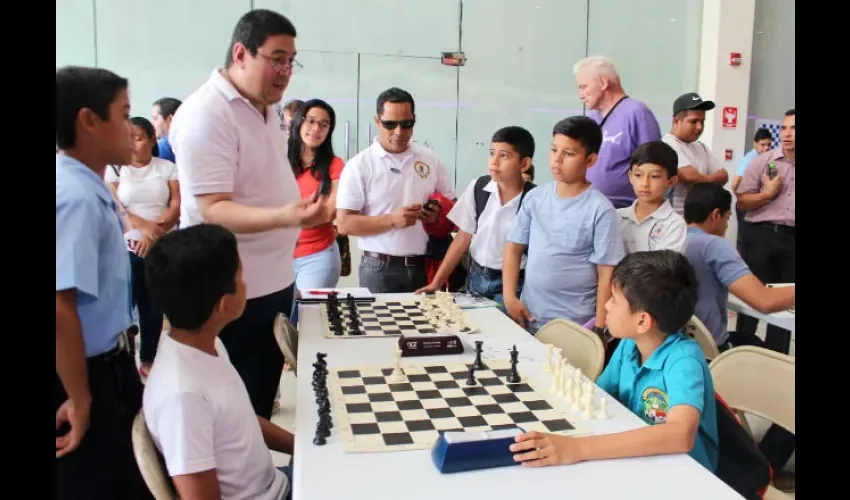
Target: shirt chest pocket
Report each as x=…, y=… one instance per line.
x=575, y=237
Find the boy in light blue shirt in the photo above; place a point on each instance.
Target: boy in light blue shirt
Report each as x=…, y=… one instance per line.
x=656, y=372
x=721, y=269
x=572, y=233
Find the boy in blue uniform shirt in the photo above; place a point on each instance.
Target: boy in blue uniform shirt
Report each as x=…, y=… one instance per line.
x=720, y=269
x=572, y=234
x=656, y=371
x=97, y=389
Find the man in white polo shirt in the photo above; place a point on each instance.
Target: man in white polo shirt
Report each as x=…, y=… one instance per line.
x=230, y=146
x=381, y=199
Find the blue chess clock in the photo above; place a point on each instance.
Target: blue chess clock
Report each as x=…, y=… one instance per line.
x=468, y=451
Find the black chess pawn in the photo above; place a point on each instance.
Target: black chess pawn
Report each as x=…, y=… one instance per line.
x=471, y=379
x=479, y=364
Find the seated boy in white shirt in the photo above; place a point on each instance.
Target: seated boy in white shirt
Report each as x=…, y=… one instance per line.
x=195, y=403
x=484, y=214
x=650, y=222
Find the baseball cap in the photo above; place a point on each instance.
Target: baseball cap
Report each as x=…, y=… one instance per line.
x=689, y=101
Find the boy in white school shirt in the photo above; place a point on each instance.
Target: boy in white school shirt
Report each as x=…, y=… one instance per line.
x=650, y=222
x=381, y=199
x=484, y=233
x=195, y=403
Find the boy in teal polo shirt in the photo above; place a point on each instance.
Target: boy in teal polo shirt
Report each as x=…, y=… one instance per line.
x=656, y=371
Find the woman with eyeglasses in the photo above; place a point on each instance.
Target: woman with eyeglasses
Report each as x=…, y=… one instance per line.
x=317, y=259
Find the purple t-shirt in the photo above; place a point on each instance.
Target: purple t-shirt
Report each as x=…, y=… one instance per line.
x=628, y=126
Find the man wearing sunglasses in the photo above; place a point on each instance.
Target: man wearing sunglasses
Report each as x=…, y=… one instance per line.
x=383, y=195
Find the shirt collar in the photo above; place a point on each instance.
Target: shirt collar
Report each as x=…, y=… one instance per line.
x=659, y=356
x=85, y=174
x=230, y=92
x=779, y=154
x=660, y=213
x=400, y=158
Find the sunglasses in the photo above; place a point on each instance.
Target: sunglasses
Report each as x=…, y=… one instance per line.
x=392, y=124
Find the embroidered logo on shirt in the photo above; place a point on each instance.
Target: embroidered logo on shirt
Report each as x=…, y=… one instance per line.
x=613, y=139
x=655, y=405
x=422, y=169
x=656, y=233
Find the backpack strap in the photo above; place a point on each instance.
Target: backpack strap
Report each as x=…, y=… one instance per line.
x=525, y=189
x=481, y=196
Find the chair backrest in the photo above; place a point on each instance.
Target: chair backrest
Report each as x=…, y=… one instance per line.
x=287, y=339
x=149, y=463
x=583, y=348
x=696, y=330
x=758, y=381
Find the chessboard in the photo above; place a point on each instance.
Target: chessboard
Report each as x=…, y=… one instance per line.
x=374, y=414
x=382, y=318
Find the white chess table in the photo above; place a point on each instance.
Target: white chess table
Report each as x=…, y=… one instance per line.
x=328, y=472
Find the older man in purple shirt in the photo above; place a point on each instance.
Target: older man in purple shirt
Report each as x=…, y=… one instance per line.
x=626, y=124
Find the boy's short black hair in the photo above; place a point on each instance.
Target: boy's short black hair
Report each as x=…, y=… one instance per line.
x=791, y=112
x=530, y=171
x=658, y=153
x=705, y=198
x=188, y=271
x=661, y=283
x=77, y=88
x=254, y=28
x=395, y=95
x=167, y=106
x=762, y=134
x=518, y=137
x=582, y=129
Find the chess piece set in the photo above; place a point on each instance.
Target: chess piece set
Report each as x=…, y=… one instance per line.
x=335, y=314
x=512, y=378
x=567, y=382
x=441, y=309
x=320, y=387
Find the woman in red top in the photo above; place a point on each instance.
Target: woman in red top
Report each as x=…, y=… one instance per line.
x=317, y=260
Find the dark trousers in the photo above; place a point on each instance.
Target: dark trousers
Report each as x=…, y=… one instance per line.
x=771, y=254
x=253, y=350
x=742, y=227
x=103, y=467
x=381, y=276
x=150, y=315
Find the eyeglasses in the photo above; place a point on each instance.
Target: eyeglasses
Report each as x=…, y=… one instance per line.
x=310, y=121
x=392, y=124
x=282, y=66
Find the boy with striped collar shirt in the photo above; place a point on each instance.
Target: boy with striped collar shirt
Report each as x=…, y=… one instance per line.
x=484, y=214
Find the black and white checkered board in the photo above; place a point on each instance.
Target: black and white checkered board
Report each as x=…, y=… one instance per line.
x=387, y=318
x=375, y=415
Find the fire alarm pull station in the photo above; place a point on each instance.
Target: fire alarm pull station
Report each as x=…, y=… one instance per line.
x=453, y=58
x=734, y=59
x=728, y=154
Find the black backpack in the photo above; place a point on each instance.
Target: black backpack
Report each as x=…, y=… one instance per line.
x=482, y=196
x=740, y=462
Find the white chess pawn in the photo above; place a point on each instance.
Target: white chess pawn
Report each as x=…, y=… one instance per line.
x=556, y=379
x=588, y=412
x=603, y=409
x=548, y=365
x=568, y=388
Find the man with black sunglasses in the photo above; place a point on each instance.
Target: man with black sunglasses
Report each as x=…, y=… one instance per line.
x=382, y=198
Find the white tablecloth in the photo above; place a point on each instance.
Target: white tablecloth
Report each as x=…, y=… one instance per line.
x=327, y=473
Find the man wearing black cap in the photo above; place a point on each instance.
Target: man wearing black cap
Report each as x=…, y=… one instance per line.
x=696, y=163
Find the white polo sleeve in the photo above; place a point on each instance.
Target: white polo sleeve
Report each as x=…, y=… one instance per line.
x=110, y=175
x=463, y=213
x=444, y=185
x=712, y=163
x=207, y=146
x=183, y=425
x=351, y=191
